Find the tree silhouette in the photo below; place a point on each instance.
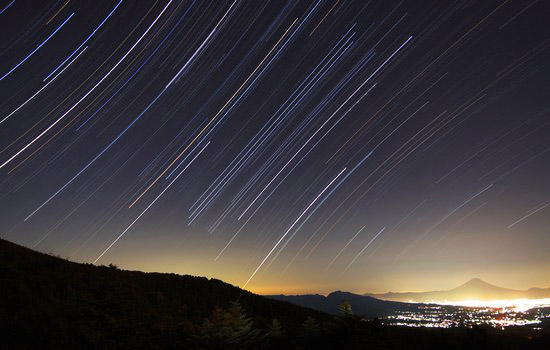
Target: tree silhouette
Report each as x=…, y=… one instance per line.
x=345, y=310
x=311, y=326
x=274, y=329
x=228, y=329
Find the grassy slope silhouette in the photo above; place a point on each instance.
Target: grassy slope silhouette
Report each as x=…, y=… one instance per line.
x=49, y=301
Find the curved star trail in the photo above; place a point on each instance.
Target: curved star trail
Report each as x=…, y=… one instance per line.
x=270, y=143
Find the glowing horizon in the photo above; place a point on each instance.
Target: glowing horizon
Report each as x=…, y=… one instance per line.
x=518, y=305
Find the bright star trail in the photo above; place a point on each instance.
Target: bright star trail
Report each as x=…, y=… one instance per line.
x=271, y=143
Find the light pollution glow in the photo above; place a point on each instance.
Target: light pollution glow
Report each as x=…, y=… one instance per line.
x=517, y=305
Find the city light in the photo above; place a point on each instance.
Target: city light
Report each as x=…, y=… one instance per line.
x=496, y=313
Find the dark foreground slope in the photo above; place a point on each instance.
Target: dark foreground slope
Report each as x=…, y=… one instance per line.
x=50, y=303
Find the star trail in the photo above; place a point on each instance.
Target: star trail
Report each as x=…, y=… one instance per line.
x=282, y=146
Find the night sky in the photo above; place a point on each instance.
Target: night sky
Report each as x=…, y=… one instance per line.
x=281, y=146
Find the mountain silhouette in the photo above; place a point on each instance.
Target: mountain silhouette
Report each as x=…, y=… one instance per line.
x=474, y=289
x=365, y=306
x=378, y=305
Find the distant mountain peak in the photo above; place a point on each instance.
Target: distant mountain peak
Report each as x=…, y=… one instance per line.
x=338, y=293
x=474, y=289
x=477, y=282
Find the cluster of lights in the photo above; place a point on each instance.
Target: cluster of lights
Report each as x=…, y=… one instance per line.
x=497, y=313
x=517, y=305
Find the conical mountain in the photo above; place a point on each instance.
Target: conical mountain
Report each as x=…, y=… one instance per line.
x=474, y=289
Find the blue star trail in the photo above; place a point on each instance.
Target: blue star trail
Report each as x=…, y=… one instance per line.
x=272, y=143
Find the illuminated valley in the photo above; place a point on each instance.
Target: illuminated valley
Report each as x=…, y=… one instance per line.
x=446, y=316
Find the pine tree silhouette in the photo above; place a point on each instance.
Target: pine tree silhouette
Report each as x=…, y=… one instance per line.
x=345, y=310
x=228, y=329
x=275, y=329
x=311, y=326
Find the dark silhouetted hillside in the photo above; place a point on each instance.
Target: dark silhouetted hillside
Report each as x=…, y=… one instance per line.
x=52, y=302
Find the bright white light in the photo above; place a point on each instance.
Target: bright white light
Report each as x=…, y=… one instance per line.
x=518, y=305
